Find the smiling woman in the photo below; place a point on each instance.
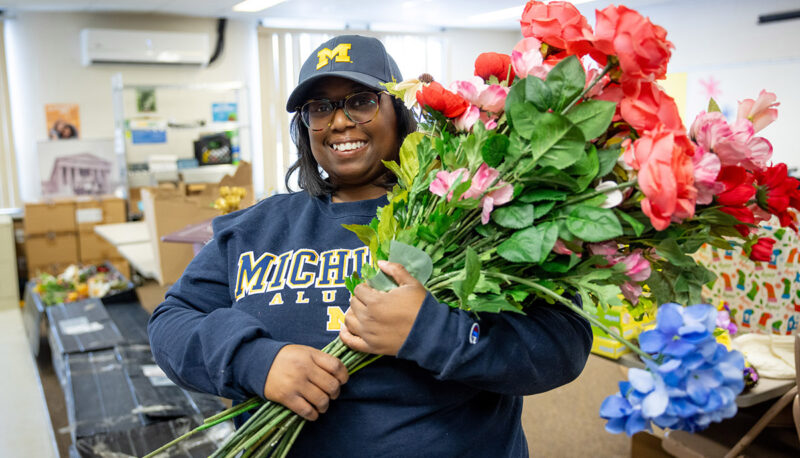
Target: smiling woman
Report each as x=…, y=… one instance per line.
x=253, y=309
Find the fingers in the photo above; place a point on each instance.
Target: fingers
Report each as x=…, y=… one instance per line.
x=397, y=272
x=354, y=342
x=302, y=407
x=332, y=366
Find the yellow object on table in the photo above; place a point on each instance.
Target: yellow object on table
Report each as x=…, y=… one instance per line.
x=618, y=318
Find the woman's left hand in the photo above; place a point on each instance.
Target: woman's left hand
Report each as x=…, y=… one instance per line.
x=378, y=322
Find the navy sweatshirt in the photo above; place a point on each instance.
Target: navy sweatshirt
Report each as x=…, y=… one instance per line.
x=274, y=274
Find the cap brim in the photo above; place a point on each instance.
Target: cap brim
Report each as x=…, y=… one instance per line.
x=298, y=95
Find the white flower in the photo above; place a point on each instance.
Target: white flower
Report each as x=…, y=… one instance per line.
x=613, y=198
x=409, y=88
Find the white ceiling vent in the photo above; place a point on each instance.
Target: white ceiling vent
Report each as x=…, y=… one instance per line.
x=143, y=47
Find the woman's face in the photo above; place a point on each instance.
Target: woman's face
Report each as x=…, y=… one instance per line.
x=351, y=153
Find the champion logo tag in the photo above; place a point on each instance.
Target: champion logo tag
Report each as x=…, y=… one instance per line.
x=474, y=333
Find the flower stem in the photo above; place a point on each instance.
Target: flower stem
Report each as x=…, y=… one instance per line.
x=582, y=198
x=571, y=305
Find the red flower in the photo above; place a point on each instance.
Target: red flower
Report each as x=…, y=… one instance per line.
x=645, y=106
x=494, y=64
x=437, y=98
x=743, y=214
x=641, y=47
x=762, y=250
x=738, y=185
x=777, y=193
x=559, y=24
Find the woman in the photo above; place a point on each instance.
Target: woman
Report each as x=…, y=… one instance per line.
x=251, y=310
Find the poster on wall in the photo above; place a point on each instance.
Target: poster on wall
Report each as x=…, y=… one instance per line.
x=79, y=168
x=63, y=120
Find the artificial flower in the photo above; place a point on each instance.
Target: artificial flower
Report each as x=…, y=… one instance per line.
x=490, y=64
x=435, y=96
x=467, y=119
x=641, y=47
x=410, y=89
x=613, y=197
x=762, y=250
x=499, y=196
x=444, y=182
x=706, y=170
x=760, y=112
x=559, y=24
x=646, y=106
x=778, y=193
x=527, y=60
x=666, y=177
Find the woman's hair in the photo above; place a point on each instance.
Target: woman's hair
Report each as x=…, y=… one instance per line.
x=309, y=178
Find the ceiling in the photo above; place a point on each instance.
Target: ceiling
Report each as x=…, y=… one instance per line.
x=332, y=14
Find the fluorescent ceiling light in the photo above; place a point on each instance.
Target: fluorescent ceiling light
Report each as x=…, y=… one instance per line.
x=515, y=12
x=251, y=6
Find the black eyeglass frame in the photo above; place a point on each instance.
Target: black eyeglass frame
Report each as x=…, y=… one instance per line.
x=337, y=105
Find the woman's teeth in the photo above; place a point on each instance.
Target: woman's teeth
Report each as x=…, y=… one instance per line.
x=348, y=146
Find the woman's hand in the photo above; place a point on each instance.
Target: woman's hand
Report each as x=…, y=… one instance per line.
x=378, y=322
x=304, y=379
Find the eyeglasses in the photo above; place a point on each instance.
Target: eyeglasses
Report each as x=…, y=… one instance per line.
x=361, y=108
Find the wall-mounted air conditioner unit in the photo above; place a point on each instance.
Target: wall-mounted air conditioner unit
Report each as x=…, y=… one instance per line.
x=143, y=47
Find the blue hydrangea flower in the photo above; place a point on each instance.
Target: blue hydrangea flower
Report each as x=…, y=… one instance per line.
x=691, y=381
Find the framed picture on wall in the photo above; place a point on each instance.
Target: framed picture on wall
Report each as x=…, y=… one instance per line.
x=79, y=168
x=63, y=120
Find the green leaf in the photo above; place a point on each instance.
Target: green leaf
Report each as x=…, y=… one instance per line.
x=531, y=245
x=491, y=303
x=669, y=250
x=487, y=285
x=515, y=96
x=566, y=81
x=636, y=225
x=494, y=150
x=398, y=172
x=712, y=106
x=472, y=273
x=592, y=117
x=608, y=159
x=517, y=147
x=556, y=142
x=593, y=224
x=387, y=225
x=416, y=262
x=586, y=167
x=513, y=216
x=525, y=116
x=538, y=93
x=551, y=176
x=409, y=161
x=538, y=195
x=542, y=209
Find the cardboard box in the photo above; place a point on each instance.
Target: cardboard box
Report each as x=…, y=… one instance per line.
x=100, y=210
x=608, y=347
x=46, y=217
x=167, y=210
x=92, y=247
x=42, y=250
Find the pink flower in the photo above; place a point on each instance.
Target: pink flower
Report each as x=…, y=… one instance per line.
x=760, y=111
x=631, y=291
x=709, y=129
x=706, y=170
x=597, y=88
x=469, y=89
x=526, y=58
x=607, y=249
x=666, y=177
x=498, y=196
x=484, y=177
x=742, y=148
x=493, y=98
x=467, y=119
x=560, y=248
x=445, y=180
x=637, y=268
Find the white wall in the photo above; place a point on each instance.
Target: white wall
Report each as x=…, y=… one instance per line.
x=44, y=67
x=721, y=39
x=466, y=44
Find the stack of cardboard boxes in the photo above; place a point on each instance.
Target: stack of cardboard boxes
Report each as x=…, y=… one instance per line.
x=61, y=232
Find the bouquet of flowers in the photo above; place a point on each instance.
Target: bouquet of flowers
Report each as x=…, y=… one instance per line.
x=563, y=169
x=77, y=283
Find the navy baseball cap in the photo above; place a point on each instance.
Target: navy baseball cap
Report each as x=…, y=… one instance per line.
x=360, y=59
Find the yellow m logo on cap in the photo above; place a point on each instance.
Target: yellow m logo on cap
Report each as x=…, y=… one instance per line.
x=339, y=52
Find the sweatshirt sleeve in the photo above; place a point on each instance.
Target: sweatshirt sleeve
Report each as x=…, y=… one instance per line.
x=512, y=354
x=202, y=342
